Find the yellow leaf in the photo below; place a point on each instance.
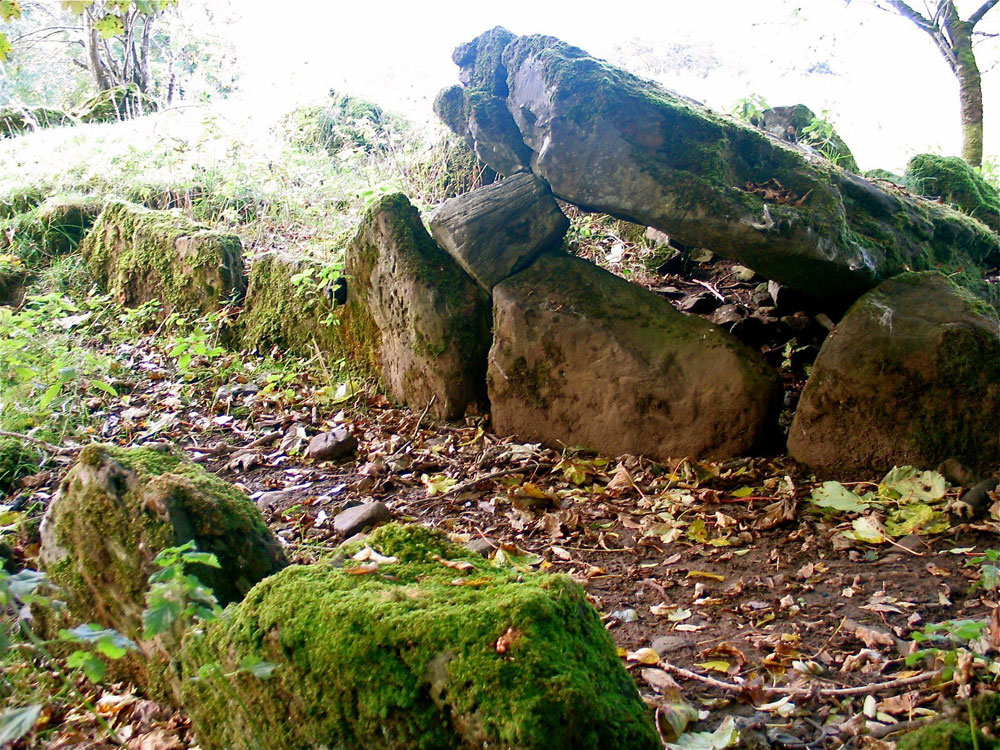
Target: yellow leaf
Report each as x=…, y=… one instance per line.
x=644, y=656
x=704, y=574
x=715, y=665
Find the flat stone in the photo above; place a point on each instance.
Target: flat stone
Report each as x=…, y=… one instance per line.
x=498, y=230
x=702, y=302
x=328, y=446
x=355, y=520
x=665, y=644
x=481, y=546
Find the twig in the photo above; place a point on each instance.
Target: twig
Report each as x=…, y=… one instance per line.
x=710, y=288
x=489, y=477
x=809, y=692
x=423, y=414
x=58, y=450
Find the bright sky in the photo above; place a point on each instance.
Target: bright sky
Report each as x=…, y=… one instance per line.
x=891, y=94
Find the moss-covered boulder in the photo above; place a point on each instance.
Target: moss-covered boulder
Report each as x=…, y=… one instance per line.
x=800, y=124
x=116, y=103
x=943, y=735
x=911, y=375
x=412, y=316
x=17, y=120
x=139, y=255
x=417, y=654
x=582, y=357
x=54, y=227
x=609, y=141
x=951, y=179
x=291, y=304
x=118, y=508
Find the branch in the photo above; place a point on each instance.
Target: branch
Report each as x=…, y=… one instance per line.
x=57, y=450
x=983, y=9
x=907, y=12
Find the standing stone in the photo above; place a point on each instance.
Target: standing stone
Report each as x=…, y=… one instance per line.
x=498, y=230
x=911, y=375
x=141, y=255
x=412, y=315
x=584, y=358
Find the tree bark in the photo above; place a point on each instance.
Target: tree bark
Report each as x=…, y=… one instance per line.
x=953, y=38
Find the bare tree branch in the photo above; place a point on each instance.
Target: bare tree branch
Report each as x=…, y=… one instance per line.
x=907, y=12
x=983, y=10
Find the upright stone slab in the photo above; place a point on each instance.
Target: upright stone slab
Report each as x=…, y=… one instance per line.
x=439, y=649
x=412, y=315
x=609, y=141
x=498, y=230
x=141, y=255
x=583, y=358
x=911, y=375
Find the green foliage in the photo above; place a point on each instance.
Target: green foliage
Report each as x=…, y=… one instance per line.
x=750, y=109
x=176, y=598
x=195, y=344
x=16, y=460
x=951, y=179
x=45, y=375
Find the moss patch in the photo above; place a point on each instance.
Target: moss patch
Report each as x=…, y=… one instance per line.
x=944, y=735
x=139, y=255
x=417, y=655
x=954, y=181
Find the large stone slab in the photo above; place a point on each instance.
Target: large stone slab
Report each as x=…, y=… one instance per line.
x=911, y=375
x=584, y=358
x=609, y=141
x=498, y=230
x=412, y=315
x=434, y=648
x=140, y=255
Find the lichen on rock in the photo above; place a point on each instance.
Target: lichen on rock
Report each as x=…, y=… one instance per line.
x=416, y=655
x=141, y=255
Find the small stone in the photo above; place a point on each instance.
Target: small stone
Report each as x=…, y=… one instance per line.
x=727, y=315
x=665, y=644
x=702, y=302
x=744, y=274
x=656, y=236
x=236, y=389
x=625, y=615
x=328, y=446
x=360, y=517
x=480, y=546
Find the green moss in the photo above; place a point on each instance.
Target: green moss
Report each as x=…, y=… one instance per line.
x=345, y=122
x=945, y=735
x=52, y=228
x=951, y=179
x=141, y=255
x=17, y=120
x=408, y=658
x=17, y=460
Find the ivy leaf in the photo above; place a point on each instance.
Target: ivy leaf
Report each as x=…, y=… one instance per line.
x=835, y=496
x=109, y=26
x=17, y=722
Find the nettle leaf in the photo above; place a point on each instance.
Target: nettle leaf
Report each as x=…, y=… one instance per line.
x=835, y=496
x=108, y=641
x=109, y=26
x=10, y=9
x=160, y=615
x=17, y=722
x=106, y=387
x=202, y=558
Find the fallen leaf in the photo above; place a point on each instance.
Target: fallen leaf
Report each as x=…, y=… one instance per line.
x=643, y=656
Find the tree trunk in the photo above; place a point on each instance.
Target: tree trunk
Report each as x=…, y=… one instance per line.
x=93, y=44
x=970, y=87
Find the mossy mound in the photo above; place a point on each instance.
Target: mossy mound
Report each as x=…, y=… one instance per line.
x=118, y=508
x=140, y=255
x=16, y=460
x=55, y=227
x=17, y=120
x=416, y=655
x=346, y=122
x=117, y=103
x=944, y=735
x=13, y=276
x=951, y=179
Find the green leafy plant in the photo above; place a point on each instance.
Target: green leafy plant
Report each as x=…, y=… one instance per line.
x=750, y=109
x=177, y=598
x=22, y=592
x=946, y=641
x=989, y=572
x=193, y=343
